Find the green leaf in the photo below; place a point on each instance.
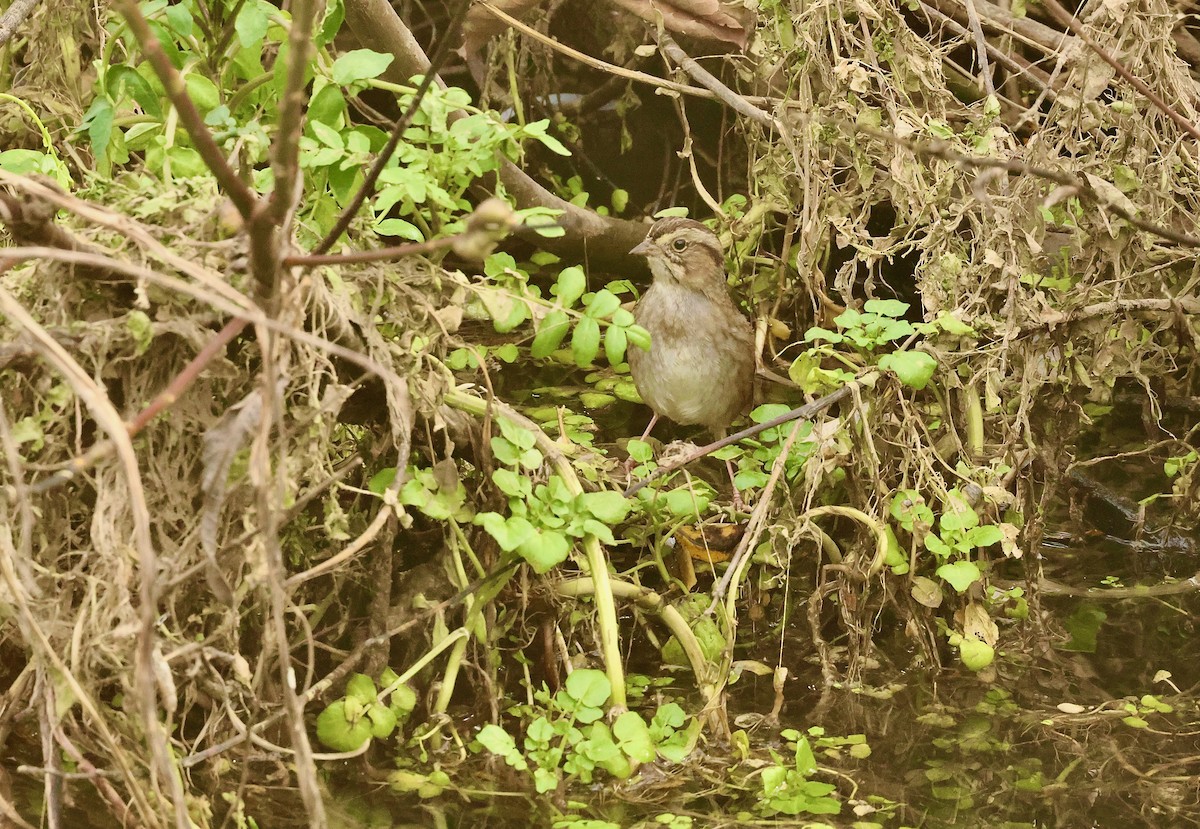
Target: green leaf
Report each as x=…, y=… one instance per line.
x=553, y=328
x=614, y=345
x=180, y=20
x=960, y=574
x=638, y=336
x=359, y=65
x=337, y=731
x=383, y=721
x=327, y=105
x=639, y=450
x=952, y=325
x=585, y=342
x=399, y=228
x=327, y=135
x=186, y=162
x=510, y=533
x=544, y=549
x=505, y=452
x=531, y=459
x=361, y=687
x=140, y=328
x=886, y=307
x=202, y=91
x=251, y=25
x=589, y=687
x=570, y=285
x=633, y=736
x=126, y=78
x=806, y=761
x=975, y=655
x=515, y=433
x=685, y=503
x=403, y=699
x=1084, y=626
x=602, y=304
x=814, y=334
x=895, y=556
x=935, y=545
x=768, y=411
x=985, y=536
x=511, y=484
x=593, y=527
x=498, y=741
x=914, y=368
x=99, y=120
x=381, y=480
x=608, y=506
x=545, y=780
x=538, y=130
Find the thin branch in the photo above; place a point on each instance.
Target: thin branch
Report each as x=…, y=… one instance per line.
x=710, y=82
x=440, y=54
x=164, y=399
x=981, y=52
x=312, y=260
x=285, y=150
x=243, y=198
x=807, y=410
x=1071, y=22
x=14, y=17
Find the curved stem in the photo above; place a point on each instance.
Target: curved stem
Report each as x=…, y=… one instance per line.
x=597, y=564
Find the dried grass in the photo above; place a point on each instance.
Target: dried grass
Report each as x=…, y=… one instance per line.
x=69, y=557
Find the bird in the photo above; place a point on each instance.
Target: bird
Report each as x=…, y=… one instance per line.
x=701, y=363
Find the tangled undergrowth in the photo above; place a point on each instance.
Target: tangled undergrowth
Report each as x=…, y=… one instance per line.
x=264, y=509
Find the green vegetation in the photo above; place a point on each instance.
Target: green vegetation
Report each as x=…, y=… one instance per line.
x=315, y=362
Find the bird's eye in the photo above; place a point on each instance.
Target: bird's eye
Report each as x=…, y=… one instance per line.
x=679, y=244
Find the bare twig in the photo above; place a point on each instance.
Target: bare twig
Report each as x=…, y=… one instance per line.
x=243, y=198
x=710, y=82
x=162, y=401
x=312, y=260
x=1071, y=22
x=285, y=150
x=440, y=54
x=13, y=17
x=981, y=51
x=807, y=410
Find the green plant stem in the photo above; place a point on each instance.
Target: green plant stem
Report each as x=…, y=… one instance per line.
x=974, y=416
x=606, y=611
x=449, y=680
x=881, y=538
x=415, y=668
x=653, y=602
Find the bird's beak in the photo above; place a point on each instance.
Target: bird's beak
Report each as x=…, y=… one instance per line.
x=643, y=249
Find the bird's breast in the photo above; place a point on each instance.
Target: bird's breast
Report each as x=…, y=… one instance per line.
x=700, y=364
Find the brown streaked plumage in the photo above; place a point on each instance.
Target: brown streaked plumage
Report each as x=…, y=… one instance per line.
x=700, y=367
